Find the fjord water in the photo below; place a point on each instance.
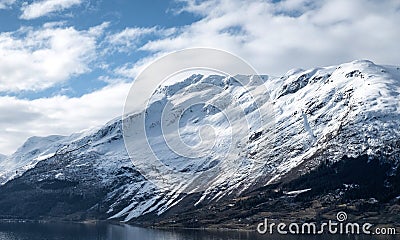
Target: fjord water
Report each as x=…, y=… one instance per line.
x=106, y=231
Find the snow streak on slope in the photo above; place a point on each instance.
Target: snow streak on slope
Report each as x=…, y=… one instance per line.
x=319, y=114
x=348, y=110
x=194, y=131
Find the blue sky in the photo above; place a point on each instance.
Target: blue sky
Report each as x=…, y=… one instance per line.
x=119, y=15
x=66, y=65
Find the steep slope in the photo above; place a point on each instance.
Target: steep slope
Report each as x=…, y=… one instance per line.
x=28, y=155
x=79, y=179
x=320, y=115
x=349, y=110
x=310, y=117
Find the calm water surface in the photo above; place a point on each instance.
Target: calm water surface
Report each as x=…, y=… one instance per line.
x=106, y=231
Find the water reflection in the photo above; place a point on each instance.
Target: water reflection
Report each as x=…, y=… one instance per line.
x=106, y=231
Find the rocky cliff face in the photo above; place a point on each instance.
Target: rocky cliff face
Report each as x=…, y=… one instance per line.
x=312, y=117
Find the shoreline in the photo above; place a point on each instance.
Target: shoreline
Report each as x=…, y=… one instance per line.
x=122, y=223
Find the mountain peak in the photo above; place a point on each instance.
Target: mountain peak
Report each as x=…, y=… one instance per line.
x=316, y=115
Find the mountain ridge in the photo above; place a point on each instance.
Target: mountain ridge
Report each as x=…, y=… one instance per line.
x=320, y=115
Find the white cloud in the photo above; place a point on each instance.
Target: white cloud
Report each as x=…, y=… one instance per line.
x=4, y=4
x=44, y=7
x=275, y=37
x=35, y=59
x=21, y=118
x=130, y=38
x=131, y=70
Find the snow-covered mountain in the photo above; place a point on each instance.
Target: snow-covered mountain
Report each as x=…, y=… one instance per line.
x=309, y=117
